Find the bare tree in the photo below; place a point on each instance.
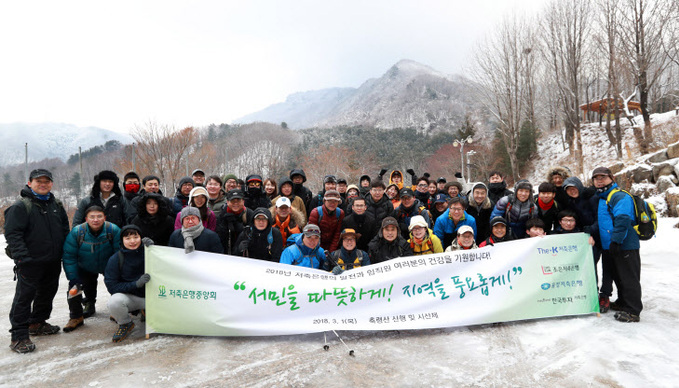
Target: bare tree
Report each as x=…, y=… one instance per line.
x=565, y=30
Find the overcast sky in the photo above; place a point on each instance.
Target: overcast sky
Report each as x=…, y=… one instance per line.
x=117, y=64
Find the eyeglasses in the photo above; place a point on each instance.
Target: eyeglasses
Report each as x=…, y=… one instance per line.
x=423, y=185
x=568, y=220
x=456, y=209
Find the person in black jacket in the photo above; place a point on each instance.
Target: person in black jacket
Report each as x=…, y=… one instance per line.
x=35, y=229
x=150, y=184
x=125, y=280
x=181, y=196
x=255, y=196
x=107, y=195
x=547, y=206
x=497, y=187
x=409, y=208
x=131, y=186
x=480, y=207
x=153, y=218
x=298, y=177
x=379, y=206
x=362, y=222
x=388, y=243
x=231, y=221
x=259, y=240
x=193, y=236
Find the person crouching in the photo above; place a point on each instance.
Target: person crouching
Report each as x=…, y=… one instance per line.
x=348, y=256
x=465, y=239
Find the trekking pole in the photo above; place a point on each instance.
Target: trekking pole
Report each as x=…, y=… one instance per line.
x=351, y=352
x=325, y=340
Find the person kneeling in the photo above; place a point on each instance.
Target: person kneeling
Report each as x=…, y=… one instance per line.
x=125, y=279
x=465, y=240
x=422, y=240
x=348, y=256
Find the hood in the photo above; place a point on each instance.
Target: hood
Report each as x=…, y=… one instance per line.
x=365, y=176
x=298, y=171
x=574, y=181
x=259, y=210
x=163, y=210
x=106, y=174
x=284, y=181
x=565, y=172
x=391, y=181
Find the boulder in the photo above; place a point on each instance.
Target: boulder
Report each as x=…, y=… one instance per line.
x=672, y=198
x=644, y=190
x=664, y=183
x=673, y=150
x=664, y=168
x=641, y=173
x=624, y=180
x=617, y=167
x=656, y=157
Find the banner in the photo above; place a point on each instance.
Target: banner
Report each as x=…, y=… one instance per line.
x=220, y=295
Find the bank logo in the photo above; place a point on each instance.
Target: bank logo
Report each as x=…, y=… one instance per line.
x=545, y=286
x=161, y=292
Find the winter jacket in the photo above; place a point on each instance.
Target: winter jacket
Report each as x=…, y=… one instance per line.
x=364, y=191
x=481, y=213
x=381, y=250
x=316, y=201
x=403, y=216
x=548, y=216
x=122, y=280
x=209, y=223
x=230, y=226
x=446, y=229
x=255, y=244
x=365, y=225
x=93, y=254
x=117, y=209
x=299, y=190
x=158, y=227
x=256, y=197
x=430, y=244
x=616, y=220
x=180, y=200
x=380, y=209
x=297, y=204
x=303, y=256
x=330, y=225
x=516, y=213
x=391, y=179
x=454, y=246
x=291, y=225
x=218, y=203
x=498, y=190
x=347, y=260
x=585, y=205
x=208, y=241
x=36, y=236
x=135, y=203
x=492, y=240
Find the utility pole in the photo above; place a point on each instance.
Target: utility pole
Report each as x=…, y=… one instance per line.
x=26, y=161
x=80, y=160
x=134, y=159
x=461, y=143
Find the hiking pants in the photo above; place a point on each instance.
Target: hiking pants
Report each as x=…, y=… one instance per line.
x=75, y=305
x=120, y=305
x=37, y=284
x=627, y=278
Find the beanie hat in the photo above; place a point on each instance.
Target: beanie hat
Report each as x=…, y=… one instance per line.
x=417, y=221
x=189, y=211
x=498, y=220
x=332, y=195
x=230, y=176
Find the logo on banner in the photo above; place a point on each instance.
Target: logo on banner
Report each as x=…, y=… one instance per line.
x=545, y=286
x=161, y=292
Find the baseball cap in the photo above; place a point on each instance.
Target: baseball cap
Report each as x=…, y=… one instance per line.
x=407, y=192
x=40, y=172
x=311, y=230
x=464, y=229
x=234, y=194
x=441, y=198
x=283, y=201
x=602, y=171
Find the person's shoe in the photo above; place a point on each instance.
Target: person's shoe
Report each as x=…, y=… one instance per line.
x=143, y=315
x=88, y=309
x=123, y=331
x=73, y=324
x=110, y=318
x=42, y=328
x=624, y=316
x=604, y=304
x=22, y=346
x=615, y=306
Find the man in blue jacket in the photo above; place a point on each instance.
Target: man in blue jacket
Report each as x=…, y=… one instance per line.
x=306, y=251
x=451, y=220
x=620, y=243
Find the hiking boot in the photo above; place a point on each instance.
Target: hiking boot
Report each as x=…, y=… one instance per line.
x=615, y=306
x=73, y=324
x=88, y=309
x=624, y=316
x=604, y=304
x=42, y=328
x=22, y=346
x=123, y=331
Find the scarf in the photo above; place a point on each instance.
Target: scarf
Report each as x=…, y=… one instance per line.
x=189, y=234
x=545, y=206
x=45, y=197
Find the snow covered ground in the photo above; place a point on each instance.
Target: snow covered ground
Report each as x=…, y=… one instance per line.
x=565, y=352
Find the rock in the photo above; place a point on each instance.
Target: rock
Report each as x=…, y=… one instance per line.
x=657, y=157
x=664, y=168
x=664, y=183
x=673, y=150
x=672, y=198
x=624, y=180
x=617, y=167
x=642, y=173
x=644, y=190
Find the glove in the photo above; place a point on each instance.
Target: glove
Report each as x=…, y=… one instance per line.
x=426, y=175
x=73, y=282
x=615, y=249
x=458, y=175
x=147, y=242
x=337, y=270
x=143, y=279
x=382, y=172
x=411, y=172
x=243, y=246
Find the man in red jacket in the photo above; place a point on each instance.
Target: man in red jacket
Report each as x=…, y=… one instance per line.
x=329, y=219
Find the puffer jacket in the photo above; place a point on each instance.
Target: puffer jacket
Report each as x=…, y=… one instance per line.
x=583, y=205
x=616, y=220
x=446, y=229
x=37, y=236
x=430, y=244
x=218, y=203
x=380, y=209
x=330, y=225
x=230, y=226
x=93, y=254
x=346, y=260
x=289, y=226
x=391, y=179
x=123, y=280
x=516, y=212
x=299, y=190
x=403, y=216
x=180, y=201
x=303, y=256
x=208, y=241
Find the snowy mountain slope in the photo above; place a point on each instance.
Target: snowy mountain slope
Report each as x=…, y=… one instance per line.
x=50, y=140
x=562, y=352
x=409, y=94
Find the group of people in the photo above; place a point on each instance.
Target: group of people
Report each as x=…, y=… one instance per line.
x=342, y=227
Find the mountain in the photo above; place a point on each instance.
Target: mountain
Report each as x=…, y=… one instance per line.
x=409, y=94
x=51, y=140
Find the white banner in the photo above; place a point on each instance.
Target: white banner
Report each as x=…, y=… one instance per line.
x=219, y=295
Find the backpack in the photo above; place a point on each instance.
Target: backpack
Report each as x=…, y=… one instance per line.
x=645, y=217
x=320, y=213
x=82, y=230
x=28, y=204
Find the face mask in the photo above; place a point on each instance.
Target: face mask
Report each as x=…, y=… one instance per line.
x=132, y=187
x=254, y=190
x=605, y=188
